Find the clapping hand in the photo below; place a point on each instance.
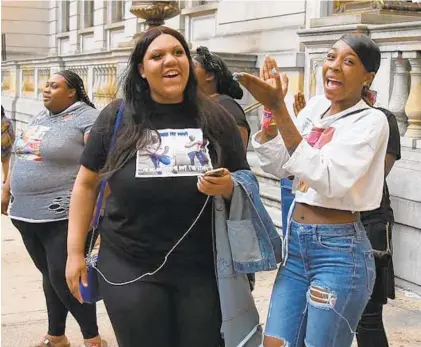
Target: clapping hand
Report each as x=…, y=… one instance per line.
x=299, y=103
x=270, y=89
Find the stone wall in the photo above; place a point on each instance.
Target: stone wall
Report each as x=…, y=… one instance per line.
x=26, y=27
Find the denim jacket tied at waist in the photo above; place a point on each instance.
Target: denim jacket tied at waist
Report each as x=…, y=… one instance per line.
x=245, y=241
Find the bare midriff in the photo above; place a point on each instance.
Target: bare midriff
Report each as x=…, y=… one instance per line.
x=308, y=214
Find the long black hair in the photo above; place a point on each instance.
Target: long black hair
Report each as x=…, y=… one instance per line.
x=213, y=63
x=137, y=129
x=74, y=81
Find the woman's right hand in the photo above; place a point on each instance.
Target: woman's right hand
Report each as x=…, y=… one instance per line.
x=270, y=89
x=5, y=200
x=76, y=271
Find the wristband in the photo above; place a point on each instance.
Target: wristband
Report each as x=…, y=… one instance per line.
x=267, y=120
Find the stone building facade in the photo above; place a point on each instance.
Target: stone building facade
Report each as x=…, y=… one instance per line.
x=94, y=38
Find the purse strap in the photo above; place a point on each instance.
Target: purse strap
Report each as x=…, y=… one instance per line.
x=103, y=184
x=387, y=238
x=350, y=114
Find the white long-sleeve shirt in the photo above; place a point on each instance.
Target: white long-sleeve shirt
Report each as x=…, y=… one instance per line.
x=340, y=162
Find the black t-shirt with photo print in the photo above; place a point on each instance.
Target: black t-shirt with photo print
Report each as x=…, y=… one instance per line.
x=146, y=216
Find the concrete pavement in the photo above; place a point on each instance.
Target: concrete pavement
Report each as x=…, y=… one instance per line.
x=24, y=317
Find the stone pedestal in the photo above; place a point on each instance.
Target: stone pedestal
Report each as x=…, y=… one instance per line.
x=154, y=12
x=369, y=17
x=370, y=12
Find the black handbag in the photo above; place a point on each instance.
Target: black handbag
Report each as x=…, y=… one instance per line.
x=384, y=284
x=384, y=258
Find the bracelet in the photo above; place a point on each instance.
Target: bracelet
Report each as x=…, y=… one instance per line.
x=267, y=120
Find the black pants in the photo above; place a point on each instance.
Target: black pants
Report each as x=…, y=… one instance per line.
x=169, y=309
x=370, y=330
x=46, y=243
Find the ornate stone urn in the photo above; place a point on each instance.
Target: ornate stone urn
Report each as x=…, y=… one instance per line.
x=155, y=12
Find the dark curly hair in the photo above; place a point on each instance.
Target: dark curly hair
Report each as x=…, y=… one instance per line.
x=137, y=130
x=213, y=63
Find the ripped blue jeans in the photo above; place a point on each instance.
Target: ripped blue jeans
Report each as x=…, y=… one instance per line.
x=321, y=292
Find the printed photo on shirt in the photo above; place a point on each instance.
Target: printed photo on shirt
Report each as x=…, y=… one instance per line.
x=180, y=152
x=28, y=143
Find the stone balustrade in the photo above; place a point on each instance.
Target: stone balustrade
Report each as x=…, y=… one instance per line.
x=104, y=84
x=398, y=81
x=23, y=81
x=41, y=76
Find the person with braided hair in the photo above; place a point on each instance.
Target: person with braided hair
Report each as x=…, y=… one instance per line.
x=39, y=188
x=215, y=80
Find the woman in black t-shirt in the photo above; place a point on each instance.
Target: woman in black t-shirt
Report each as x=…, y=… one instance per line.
x=157, y=192
x=216, y=80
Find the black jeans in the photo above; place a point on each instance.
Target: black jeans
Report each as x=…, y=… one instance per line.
x=370, y=330
x=170, y=309
x=46, y=243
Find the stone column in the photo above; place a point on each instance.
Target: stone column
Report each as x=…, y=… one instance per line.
x=74, y=27
x=413, y=106
x=130, y=22
x=100, y=37
x=53, y=11
x=400, y=91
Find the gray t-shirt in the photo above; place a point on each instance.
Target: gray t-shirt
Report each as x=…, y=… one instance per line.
x=47, y=162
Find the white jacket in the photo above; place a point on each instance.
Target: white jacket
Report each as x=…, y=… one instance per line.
x=343, y=168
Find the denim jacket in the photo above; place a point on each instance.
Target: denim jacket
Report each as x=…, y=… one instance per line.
x=245, y=241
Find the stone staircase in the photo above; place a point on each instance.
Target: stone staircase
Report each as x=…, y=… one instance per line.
x=270, y=190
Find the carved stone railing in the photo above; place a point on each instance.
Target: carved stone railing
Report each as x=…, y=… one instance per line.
x=31, y=77
x=100, y=73
x=28, y=82
x=42, y=75
x=413, y=105
x=400, y=91
x=6, y=82
x=83, y=72
x=405, y=100
x=104, y=84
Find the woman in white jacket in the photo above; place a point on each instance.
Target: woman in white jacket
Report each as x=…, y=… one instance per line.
x=336, y=153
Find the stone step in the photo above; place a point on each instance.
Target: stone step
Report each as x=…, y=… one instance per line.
x=270, y=195
x=265, y=178
x=276, y=216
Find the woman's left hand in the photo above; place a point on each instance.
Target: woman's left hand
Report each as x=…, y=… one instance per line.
x=216, y=186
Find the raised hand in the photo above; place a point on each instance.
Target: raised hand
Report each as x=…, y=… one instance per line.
x=299, y=102
x=270, y=89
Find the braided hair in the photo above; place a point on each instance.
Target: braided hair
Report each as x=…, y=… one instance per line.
x=225, y=83
x=74, y=81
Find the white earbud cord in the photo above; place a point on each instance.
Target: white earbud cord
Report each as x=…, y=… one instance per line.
x=166, y=256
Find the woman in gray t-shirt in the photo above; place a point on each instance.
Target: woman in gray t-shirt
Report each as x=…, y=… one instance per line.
x=39, y=189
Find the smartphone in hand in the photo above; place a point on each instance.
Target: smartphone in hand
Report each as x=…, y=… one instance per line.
x=215, y=173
